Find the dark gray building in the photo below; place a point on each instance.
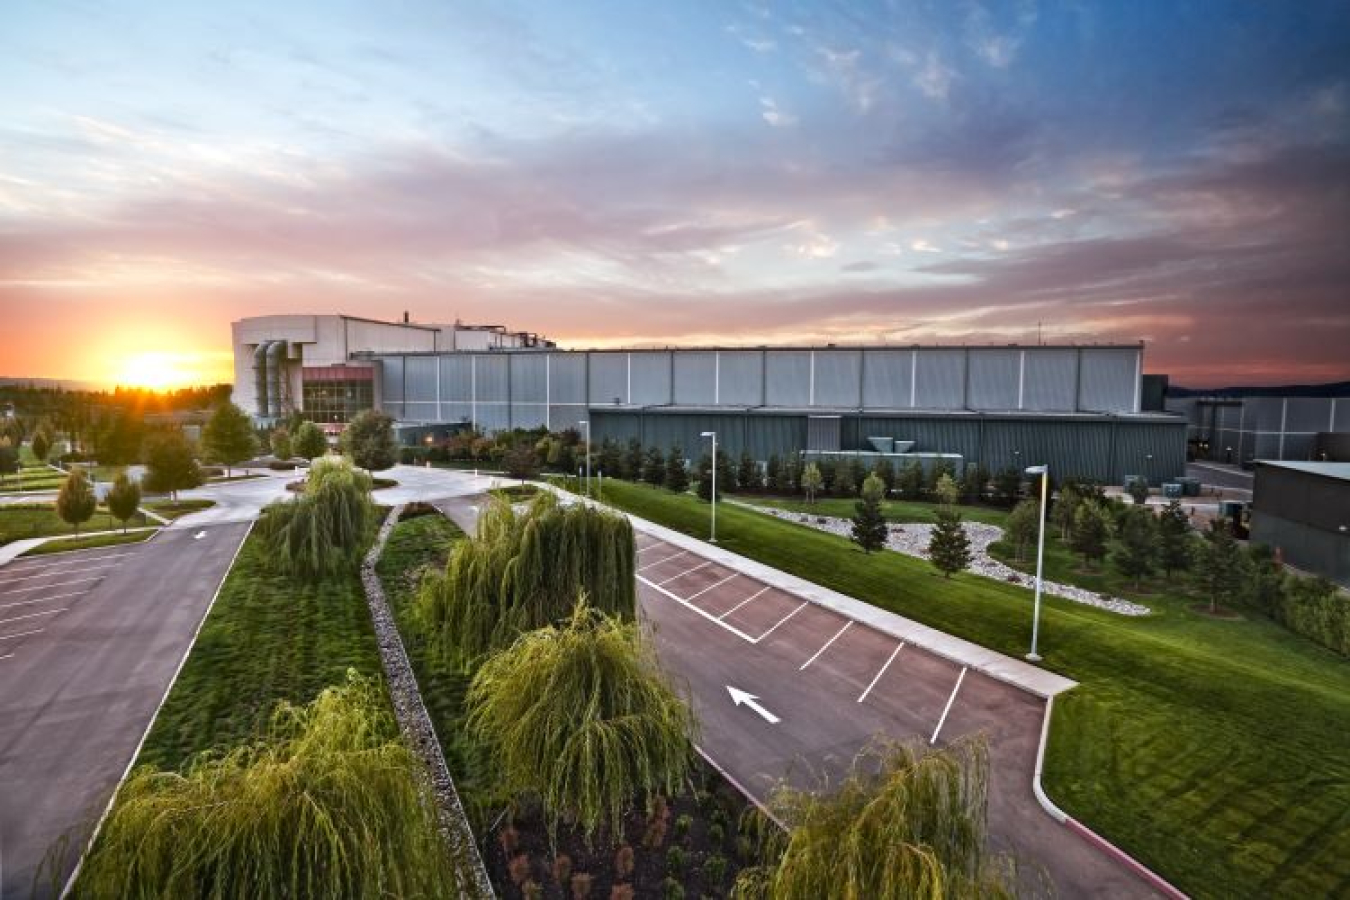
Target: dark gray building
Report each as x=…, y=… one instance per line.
x=1077, y=408
x=1303, y=508
x=1240, y=429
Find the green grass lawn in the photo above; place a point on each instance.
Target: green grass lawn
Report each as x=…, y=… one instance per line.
x=89, y=543
x=1214, y=751
x=173, y=509
x=40, y=520
x=901, y=511
x=269, y=637
x=414, y=545
x=41, y=478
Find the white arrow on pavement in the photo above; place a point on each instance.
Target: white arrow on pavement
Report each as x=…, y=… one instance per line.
x=738, y=697
x=199, y=535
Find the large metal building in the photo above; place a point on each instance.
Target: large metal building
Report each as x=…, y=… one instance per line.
x=1074, y=407
x=1241, y=428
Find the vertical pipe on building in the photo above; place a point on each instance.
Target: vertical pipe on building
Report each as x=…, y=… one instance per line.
x=1242, y=428
x=1021, y=379
x=1078, y=380
x=511, y=402
x=811, y=383
x=763, y=378
x=1284, y=418
x=913, y=378
x=628, y=395
x=717, y=378
x=275, y=372
x=548, y=391
x=260, y=378
x=965, y=378
x=473, y=391
x=1138, y=375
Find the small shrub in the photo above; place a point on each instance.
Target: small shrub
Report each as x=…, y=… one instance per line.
x=581, y=886
x=518, y=869
x=671, y=889
x=655, y=835
x=562, y=868
x=715, y=869
x=745, y=848
x=621, y=892
x=417, y=509
x=716, y=834
x=623, y=862
x=510, y=839
x=531, y=890
x=682, y=825
x=676, y=860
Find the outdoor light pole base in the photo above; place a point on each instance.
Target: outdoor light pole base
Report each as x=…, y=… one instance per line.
x=1033, y=657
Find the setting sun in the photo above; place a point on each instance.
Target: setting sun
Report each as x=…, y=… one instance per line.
x=156, y=369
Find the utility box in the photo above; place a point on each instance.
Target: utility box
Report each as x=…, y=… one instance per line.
x=1172, y=490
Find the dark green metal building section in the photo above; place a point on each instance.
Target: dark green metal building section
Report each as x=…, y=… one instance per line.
x=1096, y=448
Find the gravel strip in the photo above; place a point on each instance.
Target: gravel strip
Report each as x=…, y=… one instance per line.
x=912, y=539
x=415, y=724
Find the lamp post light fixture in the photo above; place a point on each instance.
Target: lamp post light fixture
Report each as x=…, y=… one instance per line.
x=1044, y=472
x=712, y=538
x=587, y=423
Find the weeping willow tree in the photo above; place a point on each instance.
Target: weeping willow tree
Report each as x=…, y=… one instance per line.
x=524, y=572
x=906, y=821
x=322, y=531
x=329, y=803
x=581, y=715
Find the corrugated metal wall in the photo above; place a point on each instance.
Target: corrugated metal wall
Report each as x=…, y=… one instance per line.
x=1108, y=380
x=887, y=379
x=995, y=380
x=788, y=374
x=838, y=378
x=741, y=378
x=651, y=373
x=695, y=378
x=1050, y=381
x=940, y=381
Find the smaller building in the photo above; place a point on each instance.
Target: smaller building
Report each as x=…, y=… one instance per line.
x=1303, y=510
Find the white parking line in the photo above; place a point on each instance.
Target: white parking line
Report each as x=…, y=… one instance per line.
x=68, y=562
x=42, y=600
x=42, y=587
x=57, y=574
x=948, y=708
x=686, y=572
x=713, y=585
x=827, y=645
x=743, y=602
x=702, y=612
x=880, y=672
x=33, y=615
x=781, y=621
x=666, y=559
x=10, y=637
x=645, y=548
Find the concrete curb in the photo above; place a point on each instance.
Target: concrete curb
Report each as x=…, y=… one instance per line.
x=16, y=549
x=415, y=723
x=93, y=836
x=1147, y=875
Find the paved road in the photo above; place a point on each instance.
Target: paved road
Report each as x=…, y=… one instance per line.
x=1221, y=475
x=82, y=677
x=833, y=684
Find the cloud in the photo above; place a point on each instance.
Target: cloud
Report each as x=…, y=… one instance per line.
x=773, y=115
x=934, y=78
x=997, y=48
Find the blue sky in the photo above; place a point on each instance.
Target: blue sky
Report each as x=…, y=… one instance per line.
x=613, y=173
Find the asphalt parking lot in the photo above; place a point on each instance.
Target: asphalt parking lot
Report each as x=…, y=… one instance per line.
x=89, y=643
x=785, y=688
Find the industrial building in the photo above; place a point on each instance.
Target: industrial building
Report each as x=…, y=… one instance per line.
x=1077, y=408
x=1303, y=509
x=1239, y=428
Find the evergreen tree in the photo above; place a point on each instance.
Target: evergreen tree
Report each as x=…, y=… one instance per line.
x=610, y=459
x=632, y=461
x=282, y=448
x=705, y=483
x=869, y=524
x=773, y=474
x=75, y=502
x=909, y=483
x=726, y=475
x=1138, y=491
x=1138, y=546
x=949, y=546
x=677, y=471
x=945, y=491
x=748, y=477
x=1008, y=486
x=654, y=467
x=1023, y=522
x=41, y=444
x=170, y=466
x=1174, y=538
x=370, y=441
x=309, y=442
x=1220, y=566
x=521, y=462
x=9, y=457
x=812, y=481
x=1264, y=587
x=792, y=474
x=228, y=437
x=973, y=483
x=886, y=472
x=934, y=475
x=829, y=475
x=124, y=499
x=1091, y=530
x=565, y=460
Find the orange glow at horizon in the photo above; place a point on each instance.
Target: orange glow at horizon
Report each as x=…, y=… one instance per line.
x=161, y=370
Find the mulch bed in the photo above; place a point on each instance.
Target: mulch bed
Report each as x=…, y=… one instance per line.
x=523, y=866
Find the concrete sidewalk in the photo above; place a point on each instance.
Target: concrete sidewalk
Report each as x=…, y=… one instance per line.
x=1020, y=674
x=15, y=549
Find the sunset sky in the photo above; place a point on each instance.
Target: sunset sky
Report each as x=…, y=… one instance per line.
x=679, y=172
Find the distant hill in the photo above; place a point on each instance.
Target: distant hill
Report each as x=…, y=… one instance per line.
x=69, y=384
x=1334, y=389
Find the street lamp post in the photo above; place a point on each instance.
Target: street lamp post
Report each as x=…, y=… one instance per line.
x=1044, y=472
x=712, y=434
x=587, y=423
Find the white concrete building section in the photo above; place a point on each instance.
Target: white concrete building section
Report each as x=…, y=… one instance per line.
x=276, y=356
